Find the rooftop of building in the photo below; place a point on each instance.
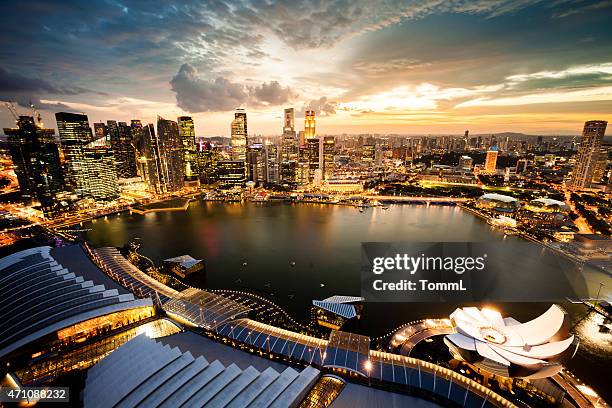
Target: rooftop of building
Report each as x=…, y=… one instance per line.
x=498, y=197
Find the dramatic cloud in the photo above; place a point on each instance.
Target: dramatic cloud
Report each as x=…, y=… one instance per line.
x=27, y=91
x=385, y=57
x=196, y=94
x=271, y=93
x=321, y=106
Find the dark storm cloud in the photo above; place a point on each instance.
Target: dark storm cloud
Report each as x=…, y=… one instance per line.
x=196, y=94
x=27, y=91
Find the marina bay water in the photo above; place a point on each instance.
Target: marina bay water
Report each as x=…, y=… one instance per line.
x=294, y=253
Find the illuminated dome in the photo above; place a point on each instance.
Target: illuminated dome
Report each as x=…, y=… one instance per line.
x=547, y=205
x=506, y=347
x=498, y=202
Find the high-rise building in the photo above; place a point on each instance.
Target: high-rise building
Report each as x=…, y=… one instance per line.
x=256, y=163
x=101, y=131
x=170, y=154
x=150, y=159
x=329, y=150
x=272, y=163
x=368, y=153
x=491, y=160
x=231, y=173
x=289, y=123
x=208, y=156
x=75, y=134
x=122, y=143
x=100, y=172
x=190, y=160
x=239, y=135
x=309, y=125
x=313, y=148
x=36, y=158
x=466, y=163
x=588, y=154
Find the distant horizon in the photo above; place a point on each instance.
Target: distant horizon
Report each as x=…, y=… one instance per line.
x=22, y=111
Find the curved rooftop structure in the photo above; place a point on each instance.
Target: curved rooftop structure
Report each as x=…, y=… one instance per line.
x=498, y=202
x=44, y=289
x=167, y=377
x=547, y=205
x=505, y=347
x=498, y=197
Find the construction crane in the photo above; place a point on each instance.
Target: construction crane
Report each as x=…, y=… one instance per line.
x=11, y=107
x=36, y=115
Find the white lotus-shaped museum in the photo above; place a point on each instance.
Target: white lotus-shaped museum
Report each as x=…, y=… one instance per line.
x=506, y=347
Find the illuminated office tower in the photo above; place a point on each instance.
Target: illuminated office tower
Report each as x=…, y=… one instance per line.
x=329, y=149
x=272, y=163
x=289, y=142
x=239, y=135
x=368, y=153
x=231, y=173
x=101, y=131
x=289, y=123
x=187, y=135
x=75, y=134
x=149, y=160
x=138, y=134
x=309, y=125
x=466, y=163
x=121, y=142
x=588, y=154
x=208, y=156
x=37, y=164
x=170, y=154
x=313, y=149
x=256, y=163
x=100, y=172
x=491, y=160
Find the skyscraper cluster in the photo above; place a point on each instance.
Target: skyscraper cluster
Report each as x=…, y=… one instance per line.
x=84, y=166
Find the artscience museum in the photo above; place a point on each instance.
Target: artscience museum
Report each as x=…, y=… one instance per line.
x=505, y=347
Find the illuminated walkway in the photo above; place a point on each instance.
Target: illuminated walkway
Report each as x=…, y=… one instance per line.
x=410, y=335
x=344, y=353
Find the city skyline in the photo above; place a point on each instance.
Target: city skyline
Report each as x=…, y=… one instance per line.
x=427, y=68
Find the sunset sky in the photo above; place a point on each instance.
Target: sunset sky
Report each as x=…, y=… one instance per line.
x=382, y=66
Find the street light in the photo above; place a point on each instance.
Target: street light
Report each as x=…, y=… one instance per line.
x=368, y=368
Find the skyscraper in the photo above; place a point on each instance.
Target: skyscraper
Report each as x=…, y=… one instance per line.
x=368, y=153
x=491, y=160
x=100, y=130
x=37, y=164
x=170, y=154
x=75, y=134
x=190, y=159
x=122, y=143
x=289, y=141
x=309, y=125
x=313, y=148
x=239, y=135
x=150, y=159
x=329, y=149
x=588, y=154
x=272, y=163
x=256, y=163
x=100, y=173
x=289, y=123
